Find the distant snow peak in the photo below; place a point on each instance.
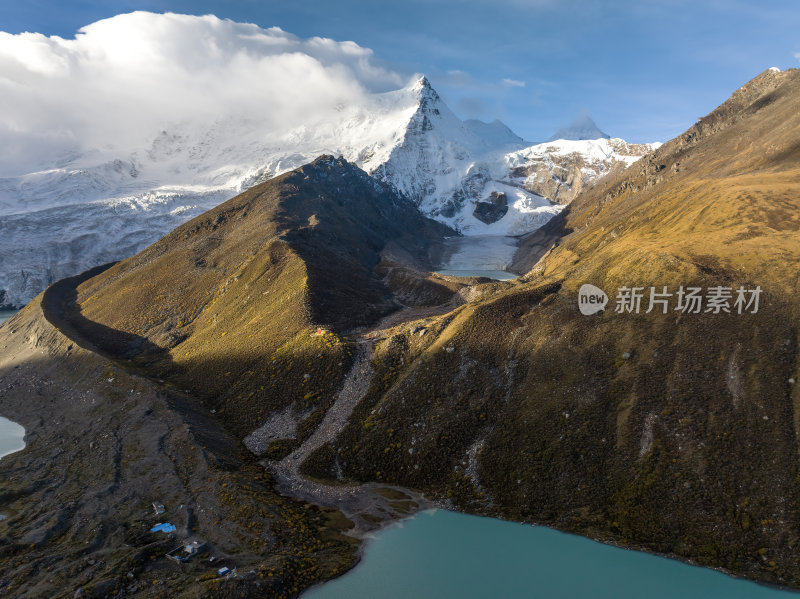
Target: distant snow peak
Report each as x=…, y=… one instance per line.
x=496, y=132
x=582, y=128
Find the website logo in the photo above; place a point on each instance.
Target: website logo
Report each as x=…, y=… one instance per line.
x=687, y=300
x=591, y=299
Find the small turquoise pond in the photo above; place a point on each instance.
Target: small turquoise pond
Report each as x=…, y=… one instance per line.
x=445, y=555
x=12, y=437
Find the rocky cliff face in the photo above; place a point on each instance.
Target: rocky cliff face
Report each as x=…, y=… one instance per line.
x=560, y=170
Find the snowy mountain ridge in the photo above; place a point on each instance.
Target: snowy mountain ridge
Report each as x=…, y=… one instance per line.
x=100, y=206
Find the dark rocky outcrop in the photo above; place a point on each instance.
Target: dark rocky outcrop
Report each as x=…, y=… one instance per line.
x=493, y=210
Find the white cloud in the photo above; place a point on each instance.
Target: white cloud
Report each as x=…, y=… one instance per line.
x=797, y=55
x=122, y=79
x=513, y=83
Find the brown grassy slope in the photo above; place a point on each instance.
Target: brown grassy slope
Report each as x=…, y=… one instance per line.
x=228, y=303
x=519, y=405
x=101, y=446
x=726, y=188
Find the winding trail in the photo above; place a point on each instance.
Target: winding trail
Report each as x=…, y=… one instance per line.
x=356, y=385
x=369, y=505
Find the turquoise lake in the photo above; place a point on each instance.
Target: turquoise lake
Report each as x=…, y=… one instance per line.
x=445, y=555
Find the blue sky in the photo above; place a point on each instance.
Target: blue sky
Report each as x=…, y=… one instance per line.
x=645, y=70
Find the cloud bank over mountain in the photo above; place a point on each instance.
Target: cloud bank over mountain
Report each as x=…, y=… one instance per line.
x=121, y=79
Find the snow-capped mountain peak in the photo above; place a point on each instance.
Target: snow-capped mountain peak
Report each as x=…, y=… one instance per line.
x=582, y=128
x=423, y=87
